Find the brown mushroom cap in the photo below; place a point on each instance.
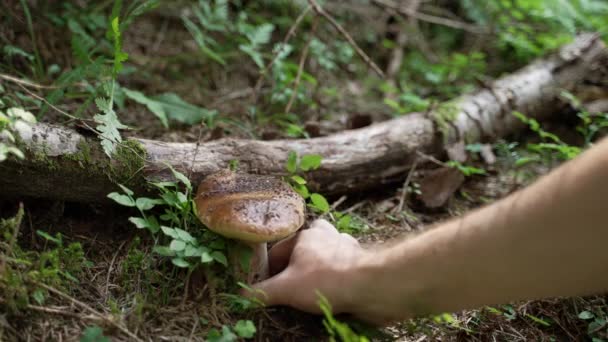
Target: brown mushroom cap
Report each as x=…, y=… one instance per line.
x=249, y=208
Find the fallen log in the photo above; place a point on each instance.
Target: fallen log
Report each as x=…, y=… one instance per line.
x=64, y=164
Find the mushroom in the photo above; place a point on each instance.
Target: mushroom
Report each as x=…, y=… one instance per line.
x=252, y=209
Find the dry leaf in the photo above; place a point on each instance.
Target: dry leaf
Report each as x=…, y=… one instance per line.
x=439, y=185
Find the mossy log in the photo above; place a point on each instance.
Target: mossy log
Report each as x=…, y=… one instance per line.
x=64, y=164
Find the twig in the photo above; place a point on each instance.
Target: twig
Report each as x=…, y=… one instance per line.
x=107, y=289
x=290, y=33
x=431, y=158
x=90, y=309
x=355, y=207
x=59, y=110
x=303, y=57
x=406, y=183
x=62, y=312
x=429, y=18
x=25, y=82
x=198, y=145
x=194, y=326
x=338, y=202
x=320, y=11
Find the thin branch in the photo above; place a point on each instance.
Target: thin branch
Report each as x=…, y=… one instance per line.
x=429, y=18
x=303, y=57
x=56, y=311
x=25, y=82
x=290, y=33
x=406, y=184
x=320, y=11
x=107, y=288
x=59, y=110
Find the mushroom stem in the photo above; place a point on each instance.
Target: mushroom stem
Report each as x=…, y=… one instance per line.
x=258, y=268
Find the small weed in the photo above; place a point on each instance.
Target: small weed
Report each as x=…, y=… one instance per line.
x=242, y=329
x=597, y=324
x=21, y=271
x=466, y=170
x=93, y=334
x=296, y=168
x=338, y=331
x=177, y=231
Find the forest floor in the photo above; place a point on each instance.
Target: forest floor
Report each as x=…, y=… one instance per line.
x=123, y=287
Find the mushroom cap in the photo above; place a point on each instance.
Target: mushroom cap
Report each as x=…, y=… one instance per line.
x=249, y=208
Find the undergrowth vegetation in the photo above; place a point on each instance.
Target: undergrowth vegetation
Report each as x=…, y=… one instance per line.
x=272, y=69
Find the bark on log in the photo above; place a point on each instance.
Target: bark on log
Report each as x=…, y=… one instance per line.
x=64, y=164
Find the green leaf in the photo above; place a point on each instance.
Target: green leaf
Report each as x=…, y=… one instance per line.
x=182, y=178
x=219, y=257
x=164, y=251
x=49, y=237
x=310, y=162
x=261, y=34
x=177, y=245
x=93, y=334
x=225, y=336
x=182, y=111
x=144, y=203
x=184, y=235
x=344, y=223
x=254, y=54
x=586, y=315
x=170, y=106
x=539, y=320
x=319, y=202
x=206, y=257
x=122, y=199
x=139, y=222
x=21, y=114
x=292, y=162
x=179, y=262
x=126, y=190
x=302, y=190
x=192, y=251
x=245, y=254
x=108, y=127
x=154, y=106
x=169, y=232
x=182, y=198
x=298, y=179
x=38, y=296
x=245, y=329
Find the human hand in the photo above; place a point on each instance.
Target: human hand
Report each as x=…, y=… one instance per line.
x=316, y=259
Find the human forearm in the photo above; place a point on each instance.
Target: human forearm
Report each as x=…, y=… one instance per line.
x=542, y=241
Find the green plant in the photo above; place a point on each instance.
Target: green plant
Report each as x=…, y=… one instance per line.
x=466, y=170
x=22, y=271
x=243, y=329
x=88, y=48
x=178, y=233
x=528, y=28
x=296, y=168
x=214, y=17
x=169, y=106
x=9, y=121
x=550, y=146
x=591, y=124
x=597, y=324
x=93, y=334
x=336, y=329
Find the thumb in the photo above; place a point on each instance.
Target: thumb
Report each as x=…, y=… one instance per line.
x=280, y=254
x=272, y=291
